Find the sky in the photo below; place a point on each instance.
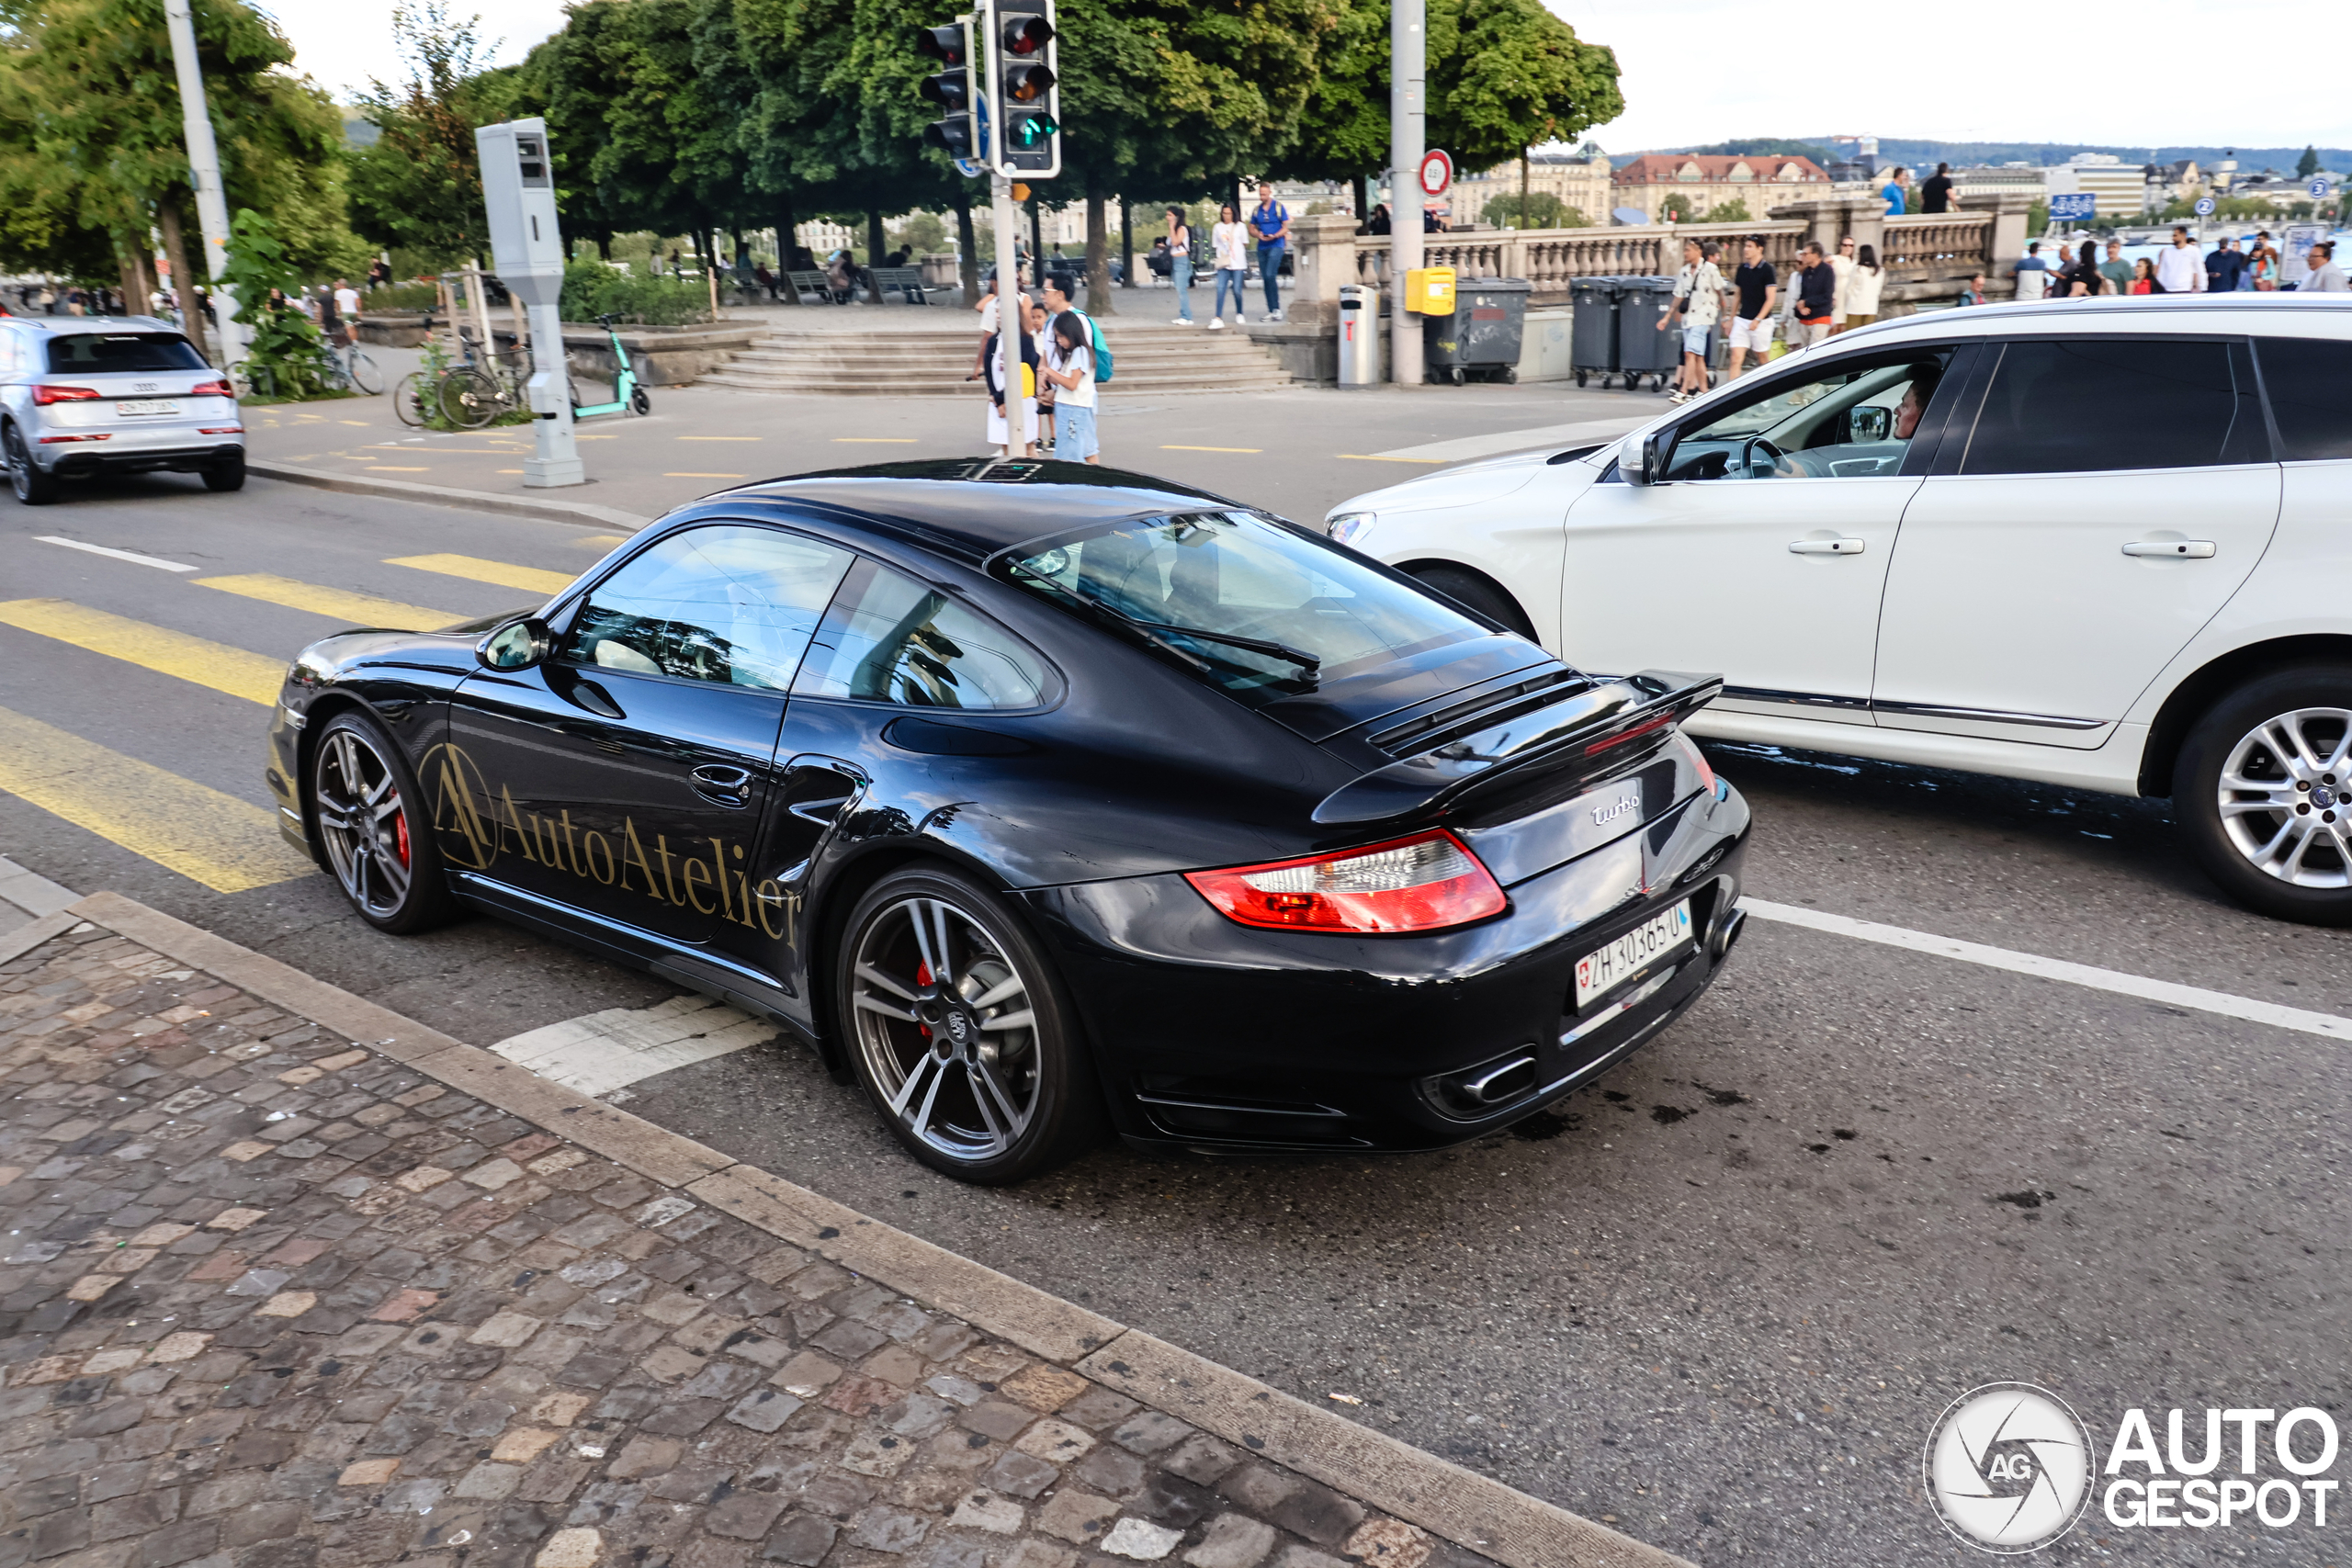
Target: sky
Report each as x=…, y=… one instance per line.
x=1695, y=72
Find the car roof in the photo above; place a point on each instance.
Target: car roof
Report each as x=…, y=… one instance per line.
x=68, y=325
x=970, y=508
x=2244, y=313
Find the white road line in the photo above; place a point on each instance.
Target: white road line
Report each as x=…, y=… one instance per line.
x=134, y=556
x=2115, y=980
x=601, y=1052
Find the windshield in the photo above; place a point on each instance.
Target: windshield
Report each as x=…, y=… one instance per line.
x=1209, y=584
x=99, y=353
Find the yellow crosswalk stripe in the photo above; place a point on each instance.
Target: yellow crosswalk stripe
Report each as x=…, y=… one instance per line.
x=251, y=676
x=206, y=836
x=340, y=604
x=474, y=569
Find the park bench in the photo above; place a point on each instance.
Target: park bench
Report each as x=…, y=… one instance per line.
x=905, y=281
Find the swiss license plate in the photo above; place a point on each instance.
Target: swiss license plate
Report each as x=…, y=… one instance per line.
x=147, y=405
x=1597, y=974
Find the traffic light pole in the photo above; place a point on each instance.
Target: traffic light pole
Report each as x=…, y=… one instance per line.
x=1009, y=325
x=1408, y=103
x=204, y=174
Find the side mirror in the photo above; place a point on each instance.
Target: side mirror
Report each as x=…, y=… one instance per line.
x=1871, y=423
x=1644, y=464
x=517, y=645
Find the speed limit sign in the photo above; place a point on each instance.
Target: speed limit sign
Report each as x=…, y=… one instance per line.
x=1437, y=172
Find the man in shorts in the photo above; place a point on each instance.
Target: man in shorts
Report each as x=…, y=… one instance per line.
x=1817, y=292
x=1751, y=329
x=1698, y=302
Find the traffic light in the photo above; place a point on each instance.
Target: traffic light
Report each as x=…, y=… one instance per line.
x=955, y=89
x=1023, y=59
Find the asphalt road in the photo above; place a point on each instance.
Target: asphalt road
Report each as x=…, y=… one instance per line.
x=1718, y=1302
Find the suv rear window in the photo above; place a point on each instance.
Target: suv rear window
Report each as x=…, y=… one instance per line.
x=97, y=352
x=2309, y=383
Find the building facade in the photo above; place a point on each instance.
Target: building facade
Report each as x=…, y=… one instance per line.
x=1580, y=182
x=1686, y=187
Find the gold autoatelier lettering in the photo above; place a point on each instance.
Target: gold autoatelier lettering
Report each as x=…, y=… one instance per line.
x=473, y=825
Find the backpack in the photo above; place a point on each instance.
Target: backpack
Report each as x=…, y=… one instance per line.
x=1099, y=351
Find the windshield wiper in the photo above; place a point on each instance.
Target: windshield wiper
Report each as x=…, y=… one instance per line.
x=1305, y=661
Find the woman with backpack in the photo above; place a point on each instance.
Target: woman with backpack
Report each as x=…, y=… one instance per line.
x=1068, y=368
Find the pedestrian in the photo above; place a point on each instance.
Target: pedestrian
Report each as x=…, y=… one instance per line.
x=2115, y=269
x=1000, y=436
x=1698, y=302
x=1816, y=293
x=1068, y=370
x=1863, y=288
x=1057, y=296
x=2176, y=268
x=2262, y=262
x=2080, y=276
x=1842, y=263
x=331, y=320
x=1935, y=191
x=1974, y=293
x=347, y=305
x=1897, y=192
x=2032, y=274
x=1180, y=256
x=1756, y=284
x=1231, y=241
x=2223, y=264
x=1269, y=226
x=2143, y=277
x=1379, y=224
x=2327, y=278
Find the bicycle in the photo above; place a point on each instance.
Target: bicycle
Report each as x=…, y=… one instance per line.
x=474, y=396
x=416, y=397
x=350, y=370
x=253, y=382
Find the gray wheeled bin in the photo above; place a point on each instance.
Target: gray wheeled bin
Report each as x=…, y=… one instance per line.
x=1592, y=344
x=1641, y=349
x=1483, y=336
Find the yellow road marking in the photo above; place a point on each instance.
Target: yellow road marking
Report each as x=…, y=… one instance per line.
x=351, y=609
x=211, y=838
x=1212, y=448
x=510, y=470
x=360, y=422
x=506, y=575
x=599, y=541
x=706, y=475
x=1376, y=458
x=722, y=438
x=215, y=664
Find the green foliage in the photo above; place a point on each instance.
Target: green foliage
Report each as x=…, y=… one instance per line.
x=1505, y=75
x=1769, y=147
x=419, y=185
x=2308, y=164
x=924, y=234
x=403, y=296
x=1542, y=210
x=1731, y=211
x=286, y=350
x=591, y=289
x=2226, y=209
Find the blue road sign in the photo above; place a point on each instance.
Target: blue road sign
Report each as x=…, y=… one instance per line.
x=2318, y=188
x=2204, y=206
x=2074, y=209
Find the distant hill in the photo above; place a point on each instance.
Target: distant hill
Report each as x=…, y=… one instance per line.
x=1905, y=150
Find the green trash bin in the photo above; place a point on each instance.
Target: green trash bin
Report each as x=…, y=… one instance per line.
x=1484, y=335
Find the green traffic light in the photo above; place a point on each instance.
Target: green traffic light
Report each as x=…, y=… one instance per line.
x=1032, y=130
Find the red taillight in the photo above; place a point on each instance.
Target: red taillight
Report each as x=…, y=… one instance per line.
x=53, y=440
x=1421, y=884
x=47, y=395
x=1698, y=760
x=214, y=390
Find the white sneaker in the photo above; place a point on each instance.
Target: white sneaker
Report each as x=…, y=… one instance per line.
x=1215, y=323
x=1275, y=317
x=1182, y=322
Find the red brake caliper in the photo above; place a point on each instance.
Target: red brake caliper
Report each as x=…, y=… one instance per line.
x=922, y=978
x=400, y=834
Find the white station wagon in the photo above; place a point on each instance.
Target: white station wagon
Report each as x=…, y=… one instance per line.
x=2104, y=544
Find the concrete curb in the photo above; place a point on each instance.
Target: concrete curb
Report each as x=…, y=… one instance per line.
x=1461, y=1506
x=444, y=495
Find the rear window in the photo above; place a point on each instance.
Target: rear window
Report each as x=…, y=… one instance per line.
x=2090, y=404
x=91, y=354
x=2309, y=384
x=1249, y=605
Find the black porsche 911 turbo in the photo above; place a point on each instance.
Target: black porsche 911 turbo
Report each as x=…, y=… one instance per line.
x=1037, y=795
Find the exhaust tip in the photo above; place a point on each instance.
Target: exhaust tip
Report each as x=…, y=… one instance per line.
x=1727, y=933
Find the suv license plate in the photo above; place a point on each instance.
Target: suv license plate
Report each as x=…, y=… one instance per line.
x=147, y=405
x=1601, y=973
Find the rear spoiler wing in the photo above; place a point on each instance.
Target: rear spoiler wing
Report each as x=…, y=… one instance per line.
x=1587, y=732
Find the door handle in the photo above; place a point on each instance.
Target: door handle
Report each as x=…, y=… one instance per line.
x=2177, y=549
x=1824, y=546
x=729, y=786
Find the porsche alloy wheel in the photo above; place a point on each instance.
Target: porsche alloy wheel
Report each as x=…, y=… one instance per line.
x=2262, y=794
x=958, y=1032
x=379, y=850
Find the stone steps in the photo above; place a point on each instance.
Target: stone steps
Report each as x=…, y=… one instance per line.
x=932, y=362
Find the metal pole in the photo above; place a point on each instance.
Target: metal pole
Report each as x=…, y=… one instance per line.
x=204, y=174
x=1008, y=317
x=555, y=455
x=1408, y=103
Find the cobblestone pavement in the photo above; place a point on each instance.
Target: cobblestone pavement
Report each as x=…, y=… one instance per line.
x=270, y=1300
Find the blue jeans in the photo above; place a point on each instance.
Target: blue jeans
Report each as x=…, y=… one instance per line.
x=1269, y=267
x=1180, y=273
x=1231, y=278
x=1074, y=438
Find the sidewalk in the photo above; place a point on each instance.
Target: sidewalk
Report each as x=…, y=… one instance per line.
x=292, y=1282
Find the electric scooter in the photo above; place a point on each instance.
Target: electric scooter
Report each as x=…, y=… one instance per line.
x=628, y=395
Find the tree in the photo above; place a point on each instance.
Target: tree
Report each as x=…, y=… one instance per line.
x=1731, y=211
x=2308, y=164
x=1540, y=210
x=419, y=185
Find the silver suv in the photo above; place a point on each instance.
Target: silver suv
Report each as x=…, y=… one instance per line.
x=82, y=395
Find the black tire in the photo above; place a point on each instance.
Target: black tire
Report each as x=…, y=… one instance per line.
x=470, y=399
x=1579, y=381
x=366, y=375
x=32, y=487
x=640, y=402
x=409, y=399
x=1510, y=375
x=2294, y=862
x=378, y=846
x=227, y=476
x=989, y=1119
x=1474, y=592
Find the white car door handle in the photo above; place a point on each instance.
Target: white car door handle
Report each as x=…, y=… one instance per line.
x=1825, y=547
x=2183, y=549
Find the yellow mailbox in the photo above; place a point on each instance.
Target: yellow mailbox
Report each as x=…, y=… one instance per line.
x=1428, y=290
